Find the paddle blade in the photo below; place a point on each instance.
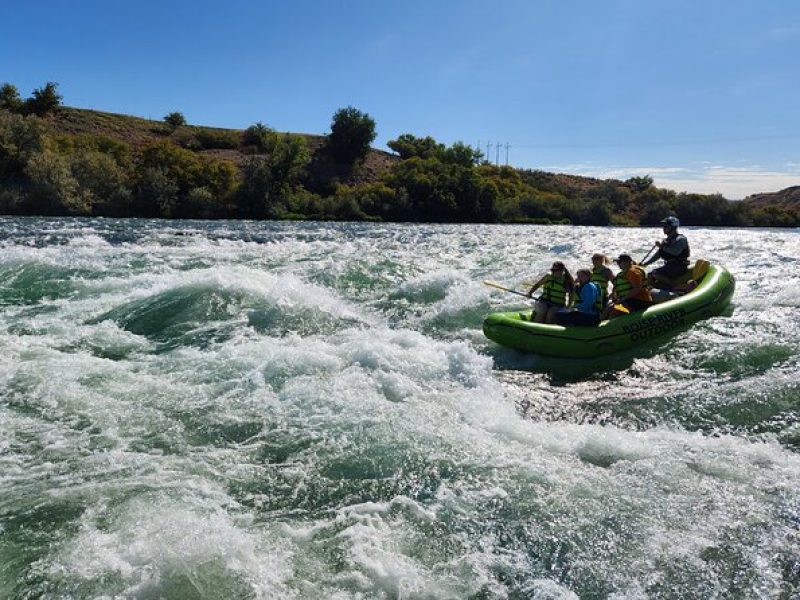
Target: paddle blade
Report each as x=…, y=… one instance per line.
x=496, y=285
x=504, y=288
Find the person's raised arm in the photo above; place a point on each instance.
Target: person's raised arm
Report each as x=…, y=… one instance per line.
x=536, y=286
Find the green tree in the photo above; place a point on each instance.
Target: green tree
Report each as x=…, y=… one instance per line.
x=345, y=205
x=610, y=190
x=175, y=120
x=378, y=201
x=268, y=180
x=76, y=144
x=156, y=193
x=12, y=199
x=656, y=204
x=102, y=181
x=183, y=166
x=258, y=136
x=702, y=209
x=597, y=212
x=211, y=138
x=352, y=132
x=409, y=146
x=9, y=98
x=20, y=139
x=199, y=203
x=186, y=170
x=462, y=154
x=444, y=192
x=639, y=184
x=773, y=215
x=54, y=189
x=44, y=100
x=220, y=177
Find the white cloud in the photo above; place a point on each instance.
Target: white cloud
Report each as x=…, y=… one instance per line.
x=734, y=183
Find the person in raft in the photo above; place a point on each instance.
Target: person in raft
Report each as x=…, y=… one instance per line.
x=557, y=287
x=586, y=311
x=699, y=270
x=630, y=292
x=601, y=275
x=674, y=251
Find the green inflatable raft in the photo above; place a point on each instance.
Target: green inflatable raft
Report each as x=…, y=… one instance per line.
x=709, y=298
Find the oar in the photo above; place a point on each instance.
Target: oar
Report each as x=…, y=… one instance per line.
x=504, y=288
x=649, y=252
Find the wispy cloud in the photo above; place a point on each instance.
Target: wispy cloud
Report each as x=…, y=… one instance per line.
x=785, y=33
x=732, y=182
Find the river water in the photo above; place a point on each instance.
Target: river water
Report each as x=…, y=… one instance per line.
x=281, y=410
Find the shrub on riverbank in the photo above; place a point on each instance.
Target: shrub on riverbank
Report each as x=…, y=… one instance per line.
x=79, y=162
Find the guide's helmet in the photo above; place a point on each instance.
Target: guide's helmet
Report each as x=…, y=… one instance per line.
x=671, y=222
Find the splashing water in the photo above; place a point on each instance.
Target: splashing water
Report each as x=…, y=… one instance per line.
x=277, y=410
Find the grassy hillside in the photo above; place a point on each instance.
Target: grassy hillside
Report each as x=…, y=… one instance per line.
x=225, y=144
x=216, y=142
x=73, y=161
x=788, y=198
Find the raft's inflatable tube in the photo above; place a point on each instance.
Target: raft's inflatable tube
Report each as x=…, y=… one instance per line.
x=709, y=298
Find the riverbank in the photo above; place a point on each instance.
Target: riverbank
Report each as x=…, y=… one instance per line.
x=90, y=163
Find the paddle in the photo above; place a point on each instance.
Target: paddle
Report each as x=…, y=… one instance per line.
x=649, y=252
x=504, y=288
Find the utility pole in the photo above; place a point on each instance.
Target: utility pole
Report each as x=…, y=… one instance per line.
x=489, y=152
x=497, y=155
x=506, y=153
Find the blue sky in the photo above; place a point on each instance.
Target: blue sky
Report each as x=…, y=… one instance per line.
x=703, y=95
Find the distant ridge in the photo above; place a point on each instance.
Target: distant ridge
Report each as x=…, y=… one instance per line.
x=789, y=197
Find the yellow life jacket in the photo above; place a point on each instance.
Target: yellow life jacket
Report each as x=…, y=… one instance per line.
x=621, y=284
x=601, y=280
x=554, y=291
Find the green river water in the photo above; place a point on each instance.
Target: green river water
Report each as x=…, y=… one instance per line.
x=310, y=410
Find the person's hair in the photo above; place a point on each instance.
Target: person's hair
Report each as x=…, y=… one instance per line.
x=569, y=282
x=605, y=260
x=586, y=272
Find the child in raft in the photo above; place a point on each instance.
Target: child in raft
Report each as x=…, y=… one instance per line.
x=602, y=276
x=557, y=289
x=586, y=312
x=630, y=289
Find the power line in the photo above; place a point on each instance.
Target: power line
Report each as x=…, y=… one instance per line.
x=496, y=146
